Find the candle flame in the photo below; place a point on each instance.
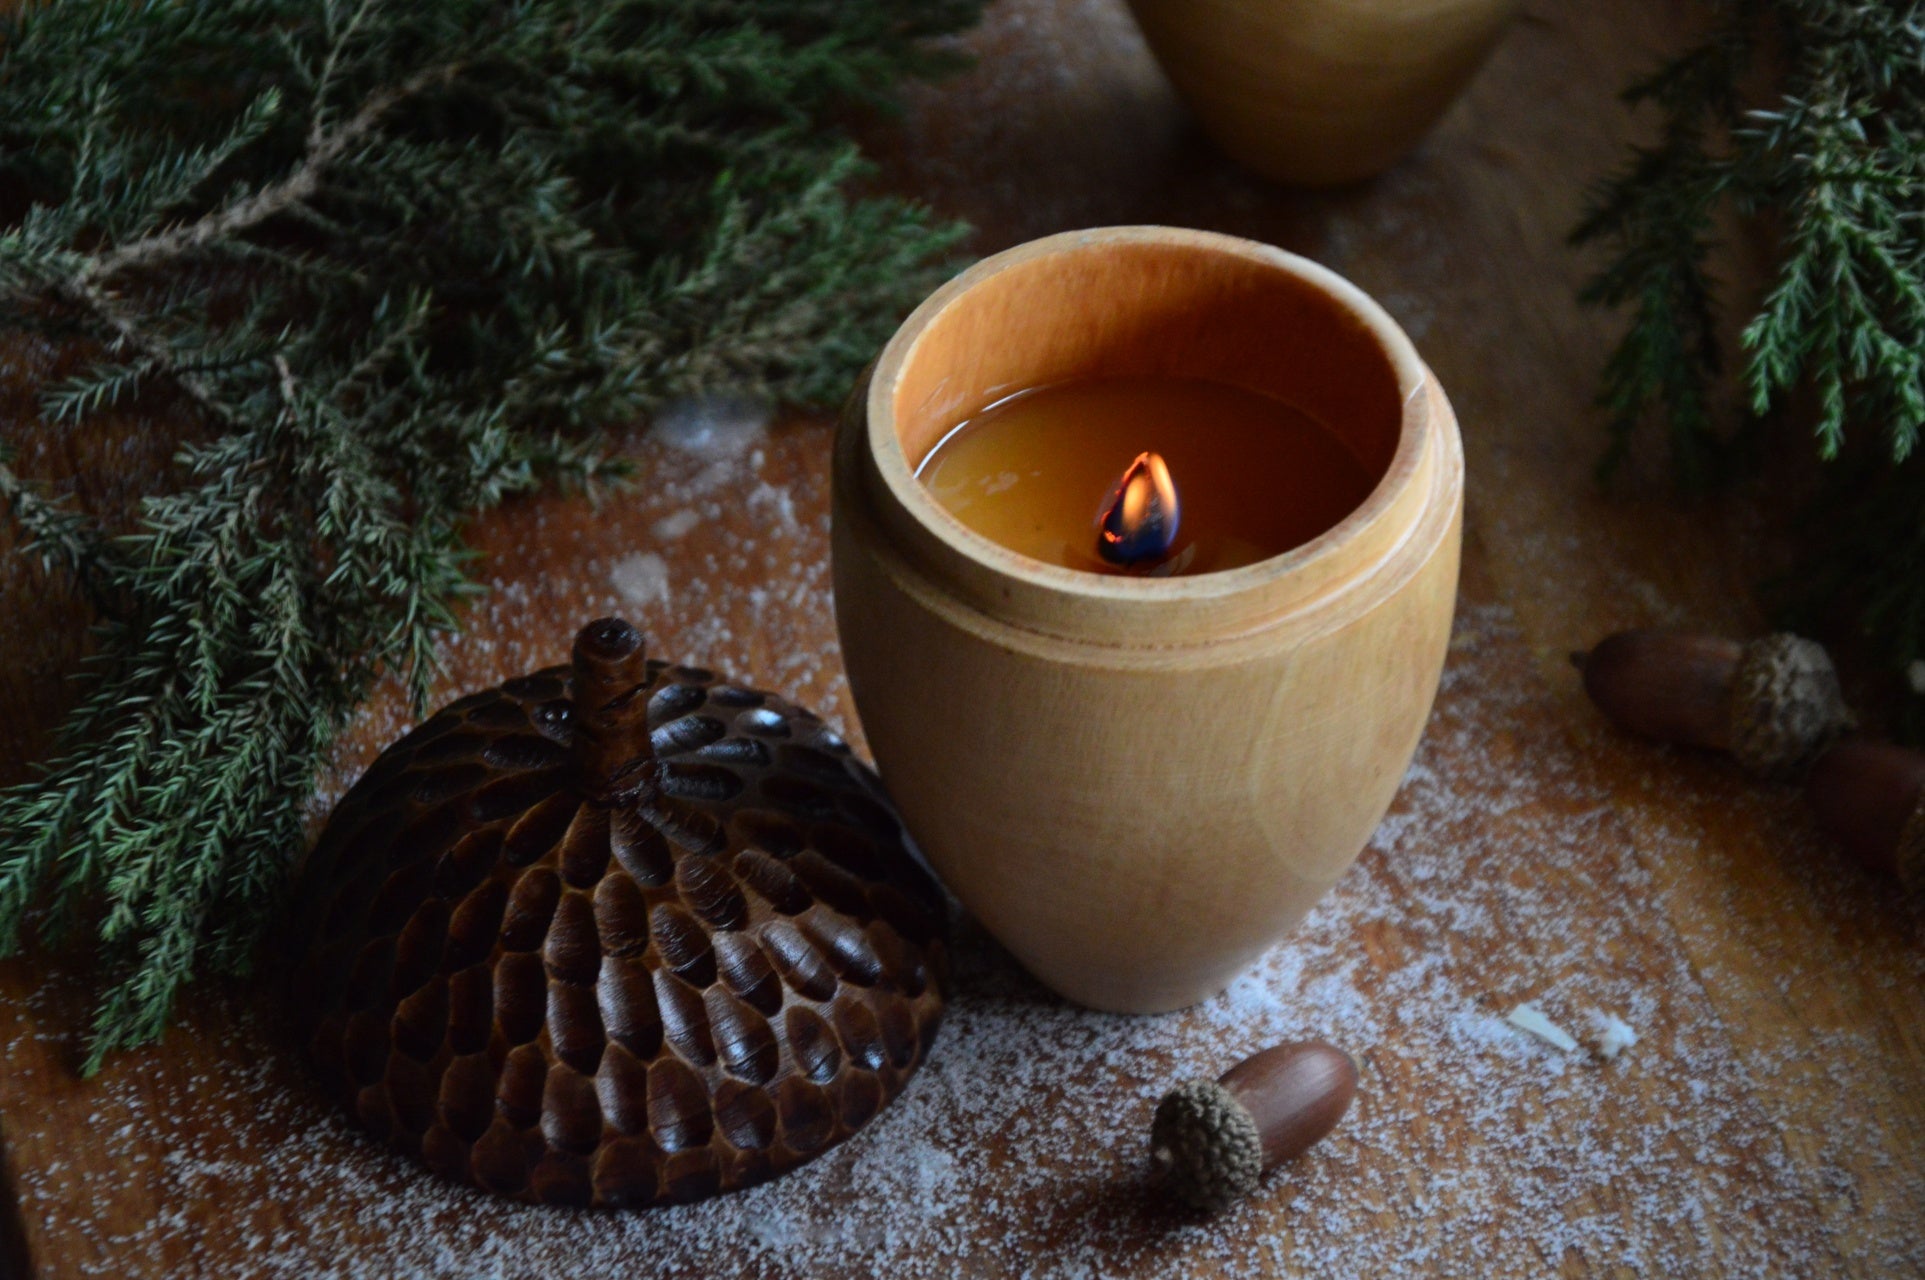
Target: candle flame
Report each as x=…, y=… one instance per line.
x=1140, y=520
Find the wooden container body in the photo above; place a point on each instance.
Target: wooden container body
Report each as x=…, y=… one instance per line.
x=1319, y=92
x=1138, y=784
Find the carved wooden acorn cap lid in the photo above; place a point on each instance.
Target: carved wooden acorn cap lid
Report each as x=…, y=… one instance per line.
x=619, y=934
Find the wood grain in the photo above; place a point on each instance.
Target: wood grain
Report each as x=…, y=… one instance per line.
x=1320, y=92
x=1770, y=1122
x=1282, y=701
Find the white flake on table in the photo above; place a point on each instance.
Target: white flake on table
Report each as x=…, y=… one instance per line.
x=676, y=524
x=1528, y=1017
x=1611, y=1035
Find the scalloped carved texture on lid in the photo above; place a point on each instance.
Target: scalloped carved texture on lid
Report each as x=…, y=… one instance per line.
x=617, y=935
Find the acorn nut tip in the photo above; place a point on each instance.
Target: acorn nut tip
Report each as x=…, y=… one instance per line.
x=1212, y=1140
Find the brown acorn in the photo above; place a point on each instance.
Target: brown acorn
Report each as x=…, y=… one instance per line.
x=1871, y=797
x=1212, y=1140
x=616, y=934
x=1773, y=703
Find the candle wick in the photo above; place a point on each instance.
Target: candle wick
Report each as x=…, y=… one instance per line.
x=1141, y=518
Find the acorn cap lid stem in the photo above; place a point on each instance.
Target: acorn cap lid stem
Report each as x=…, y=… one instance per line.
x=612, y=744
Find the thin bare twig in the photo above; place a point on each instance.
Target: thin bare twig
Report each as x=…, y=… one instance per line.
x=83, y=288
x=318, y=124
x=79, y=292
x=290, y=391
x=278, y=197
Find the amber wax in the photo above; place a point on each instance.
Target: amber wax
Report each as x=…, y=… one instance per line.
x=1039, y=471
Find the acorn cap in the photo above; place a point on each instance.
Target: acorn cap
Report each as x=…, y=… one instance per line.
x=1785, y=705
x=616, y=934
x=1206, y=1146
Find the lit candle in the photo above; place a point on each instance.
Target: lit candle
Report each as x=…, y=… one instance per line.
x=1140, y=521
x=1143, y=475
x=1136, y=773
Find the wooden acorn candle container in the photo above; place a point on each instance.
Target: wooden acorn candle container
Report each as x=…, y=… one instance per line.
x=1138, y=781
x=1318, y=92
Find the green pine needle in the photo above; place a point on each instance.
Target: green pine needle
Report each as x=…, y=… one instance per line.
x=397, y=262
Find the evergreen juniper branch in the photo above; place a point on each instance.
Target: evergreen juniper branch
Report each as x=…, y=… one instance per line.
x=1834, y=154
x=397, y=262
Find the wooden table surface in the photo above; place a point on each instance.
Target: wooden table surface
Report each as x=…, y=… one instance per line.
x=1770, y=1120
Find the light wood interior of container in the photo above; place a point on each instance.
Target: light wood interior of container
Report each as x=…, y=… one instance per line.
x=1168, y=309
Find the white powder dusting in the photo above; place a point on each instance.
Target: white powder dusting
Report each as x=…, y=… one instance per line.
x=716, y=428
x=774, y=507
x=1019, y=1150
x=640, y=579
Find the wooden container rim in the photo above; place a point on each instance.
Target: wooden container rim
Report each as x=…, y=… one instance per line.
x=1083, y=605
